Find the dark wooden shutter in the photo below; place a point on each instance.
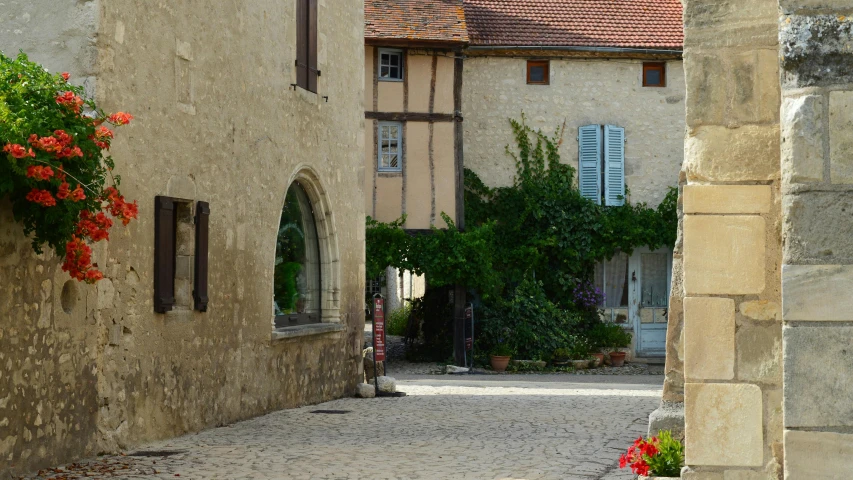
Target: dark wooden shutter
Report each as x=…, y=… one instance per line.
x=302, y=35
x=165, y=229
x=313, y=73
x=202, y=219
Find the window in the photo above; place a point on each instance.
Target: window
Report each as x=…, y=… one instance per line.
x=390, y=65
x=611, y=277
x=654, y=74
x=538, y=72
x=306, y=45
x=601, y=164
x=180, y=254
x=296, y=284
x=390, y=146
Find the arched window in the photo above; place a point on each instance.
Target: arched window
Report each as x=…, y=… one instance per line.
x=297, y=284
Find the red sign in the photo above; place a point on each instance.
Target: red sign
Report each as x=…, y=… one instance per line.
x=379, y=329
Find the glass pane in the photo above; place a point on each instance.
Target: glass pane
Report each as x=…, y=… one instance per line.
x=394, y=163
x=383, y=58
x=296, y=286
x=383, y=132
x=384, y=72
x=394, y=72
x=654, y=277
x=613, y=280
x=653, y=77
x=395, y=60
x=394, y=132
x=537, y=74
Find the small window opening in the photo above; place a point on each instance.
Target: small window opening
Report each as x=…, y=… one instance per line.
x=390, y=147
x=390, y=65
x=538, y=72
x=296, y=290
x=654, y=74
x=184, y=254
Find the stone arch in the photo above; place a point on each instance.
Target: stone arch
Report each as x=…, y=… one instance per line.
x=309, y=180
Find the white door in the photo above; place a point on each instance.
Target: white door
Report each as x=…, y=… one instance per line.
x=650, y=275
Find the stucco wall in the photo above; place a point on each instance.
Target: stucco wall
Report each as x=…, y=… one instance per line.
x=581, y=92
x=215, y=121
x=426, y=186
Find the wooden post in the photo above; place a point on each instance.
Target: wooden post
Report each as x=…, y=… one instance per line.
x=459, y=295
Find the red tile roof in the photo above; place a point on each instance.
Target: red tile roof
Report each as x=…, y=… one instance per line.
x=653, y=24
x=415, y=20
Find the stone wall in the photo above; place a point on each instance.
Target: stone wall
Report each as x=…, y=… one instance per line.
x=731, y=233
x=817, y=277
x=86, y=369
x=581, y=92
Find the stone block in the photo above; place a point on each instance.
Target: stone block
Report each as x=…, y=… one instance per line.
x=709, y=338
x=819, y=293
x=670, y=416
x=706, y=104
x=818, y=390
x=715, y=153
x=818, y=227
x=764, y=310
x=803, y=133
x=793, y=6
x=754, y=89
x=759, y=353
x=386, y=384
x=364, y=390
x=774, y=423
x=737, y=23
x=688, y=473
x=724, y=255
x=723, y=424
x=841, y=136
x=727, y=199
x=815, y=49
x=818, y=455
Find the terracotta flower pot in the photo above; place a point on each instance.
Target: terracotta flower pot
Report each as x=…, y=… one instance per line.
x=599, y=359
x=499, y=363
x=617, y=359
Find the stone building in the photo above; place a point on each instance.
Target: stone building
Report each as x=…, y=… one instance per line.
x=609, y=74
x=412, y=62
x=759, y=333
x=252, y=113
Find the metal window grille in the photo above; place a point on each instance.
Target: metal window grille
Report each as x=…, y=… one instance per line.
x=390, y=143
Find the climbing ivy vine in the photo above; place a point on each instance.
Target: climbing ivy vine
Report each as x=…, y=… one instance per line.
x=540, y=227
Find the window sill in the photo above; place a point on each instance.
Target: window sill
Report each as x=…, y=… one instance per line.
x=286, y=333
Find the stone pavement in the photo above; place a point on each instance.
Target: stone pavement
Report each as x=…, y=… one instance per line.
x=451, y=427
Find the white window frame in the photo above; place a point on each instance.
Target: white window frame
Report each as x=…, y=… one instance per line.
x=390, y=51
x=399, y=151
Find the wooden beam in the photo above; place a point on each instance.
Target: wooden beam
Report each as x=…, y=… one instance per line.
x=411, y=117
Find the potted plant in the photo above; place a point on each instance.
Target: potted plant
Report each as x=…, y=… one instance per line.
x=616, y=337
x=655, y=458
x=580, y=354
x=500, y=356
x=597, y=338
x=561, y=357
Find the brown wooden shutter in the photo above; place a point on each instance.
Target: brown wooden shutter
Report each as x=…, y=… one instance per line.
x=165, y=227
x=202, y=218
x=313, y=73
x=302, y=35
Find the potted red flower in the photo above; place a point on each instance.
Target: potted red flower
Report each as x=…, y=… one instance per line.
x=658, y=458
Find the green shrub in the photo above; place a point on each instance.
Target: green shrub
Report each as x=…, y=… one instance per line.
x=527, y=321
x=398, y=321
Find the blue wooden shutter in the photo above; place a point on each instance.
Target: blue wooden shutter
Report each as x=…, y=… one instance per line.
x=589, y=162
x=614, y=165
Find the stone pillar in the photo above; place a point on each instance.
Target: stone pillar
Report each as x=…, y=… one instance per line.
x=731, y=255
x=817, y=276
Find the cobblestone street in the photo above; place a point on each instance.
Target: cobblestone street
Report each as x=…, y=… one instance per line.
x=448, y=427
